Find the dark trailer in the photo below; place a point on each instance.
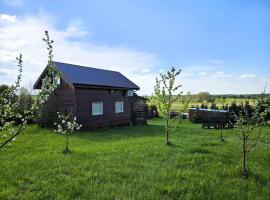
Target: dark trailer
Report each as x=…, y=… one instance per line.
x=97, y=97
x=209, y=117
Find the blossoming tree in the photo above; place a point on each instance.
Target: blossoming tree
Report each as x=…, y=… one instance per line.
x=8, y=108
x=49, y=82
x=66, y=125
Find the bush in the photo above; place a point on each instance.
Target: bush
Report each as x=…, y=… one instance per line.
x=25, y=100
x=24, y=103
x=3, y=88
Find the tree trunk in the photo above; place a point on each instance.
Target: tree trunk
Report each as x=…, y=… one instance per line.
x=221, y=137
x=7, y=141
x=167, y=132
x=67, y=142
x=66, y=150
x=244, y=150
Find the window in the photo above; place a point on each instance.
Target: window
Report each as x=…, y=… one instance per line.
x=56, y=79
x=119, y=107
x=97, y=108
x=129, y=93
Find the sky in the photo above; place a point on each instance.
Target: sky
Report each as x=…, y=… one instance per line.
x=222, y=46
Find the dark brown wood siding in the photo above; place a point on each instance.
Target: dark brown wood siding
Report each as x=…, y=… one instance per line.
x=84, y=98
x=62, y=100
x=139, y=111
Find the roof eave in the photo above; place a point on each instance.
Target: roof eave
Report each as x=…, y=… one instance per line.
x=104, y=87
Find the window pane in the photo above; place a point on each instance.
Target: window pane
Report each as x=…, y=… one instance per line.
x=97, y=108
x=119, y=106
x=58, y=80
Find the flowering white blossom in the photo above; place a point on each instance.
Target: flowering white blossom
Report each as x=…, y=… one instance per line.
x=48, y=85
x=7, y=106
x=8, y=112
x=66, y=125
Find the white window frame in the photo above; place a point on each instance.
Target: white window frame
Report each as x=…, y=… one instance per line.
x=121, y=110
x=100, y=109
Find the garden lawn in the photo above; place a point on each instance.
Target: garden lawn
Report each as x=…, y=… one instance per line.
x=132, y=162
x=178, y=106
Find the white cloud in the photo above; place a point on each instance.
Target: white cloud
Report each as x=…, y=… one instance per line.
x=221, y=74
x=5, y=72
x=229, y=85
x=161, y=71
x=198, y=68
x=201, y=73
x=186, y=74
x=142, y=71
x=215, y=61
x=247, y=76
x=7, y=18
x=24, y=34
x=76, y=28
x=146, y=71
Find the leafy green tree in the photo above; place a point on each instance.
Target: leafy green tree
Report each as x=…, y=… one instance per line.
x=213, y=106
x=164, y=89
x=249, y=129
x=24, y=100
x=203, y=96
x=3, y=88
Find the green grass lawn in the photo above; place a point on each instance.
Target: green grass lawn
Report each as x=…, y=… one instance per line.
x=178, y=106
x=132, y=163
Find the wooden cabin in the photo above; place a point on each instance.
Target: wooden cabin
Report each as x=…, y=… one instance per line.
x=97, y=97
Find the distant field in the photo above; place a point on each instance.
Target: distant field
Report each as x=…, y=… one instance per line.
x=132, y=163
x=219, y=102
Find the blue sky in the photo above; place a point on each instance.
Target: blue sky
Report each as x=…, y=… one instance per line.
x=222, y=46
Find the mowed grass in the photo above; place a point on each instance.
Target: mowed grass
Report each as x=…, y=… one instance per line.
x=178, y=106
x=132, y=163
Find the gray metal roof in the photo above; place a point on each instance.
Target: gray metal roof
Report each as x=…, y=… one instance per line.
x=209, y=110
x=81, y=75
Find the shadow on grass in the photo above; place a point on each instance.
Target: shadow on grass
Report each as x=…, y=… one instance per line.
x=199, y=151
x=171, y=144
x=258, y=178
x=121, y=132
x=210, y=144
